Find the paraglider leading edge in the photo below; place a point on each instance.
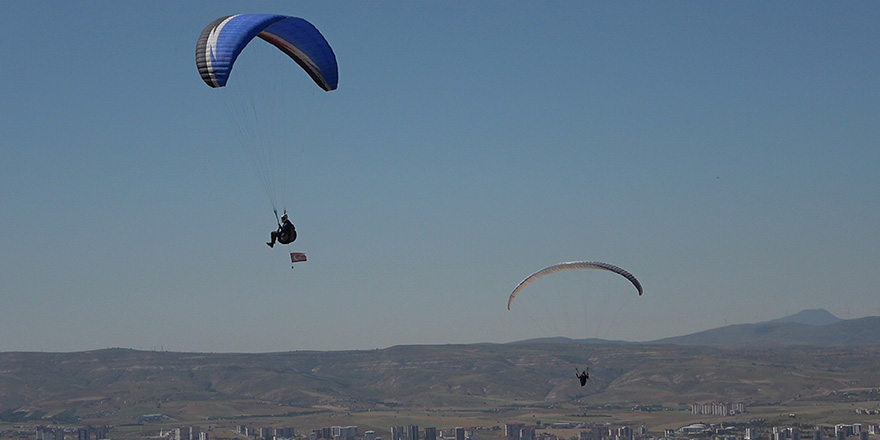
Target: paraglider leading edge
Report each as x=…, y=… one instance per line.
x=570, y=265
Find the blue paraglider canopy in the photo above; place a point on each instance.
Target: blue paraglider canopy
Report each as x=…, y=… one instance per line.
x=223, y=40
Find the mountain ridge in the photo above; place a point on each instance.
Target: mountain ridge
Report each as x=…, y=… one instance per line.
x=816, y=327
x=810, y=317
x=120, y=384
x=810, y=327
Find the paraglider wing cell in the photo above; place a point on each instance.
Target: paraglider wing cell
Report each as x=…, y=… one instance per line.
x=222, y=41
x=571, y=265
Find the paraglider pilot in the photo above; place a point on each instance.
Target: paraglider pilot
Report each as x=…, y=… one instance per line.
x=582, y=375
x=285, y=234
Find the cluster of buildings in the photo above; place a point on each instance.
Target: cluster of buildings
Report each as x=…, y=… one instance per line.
x=82, y=433
x=411, y=432
x=512, y=431
x=730, y=432
x=718, y=408
x=599, y=431
x=187, y=433
x=519, y=431
x=859, y=430
x=588, y=431
x=265, y=433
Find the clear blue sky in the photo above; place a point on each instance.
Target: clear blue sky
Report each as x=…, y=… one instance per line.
x=726, y=153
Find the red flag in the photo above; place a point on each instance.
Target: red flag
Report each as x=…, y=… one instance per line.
x=297, y=257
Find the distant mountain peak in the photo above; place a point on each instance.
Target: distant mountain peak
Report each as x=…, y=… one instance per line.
x=810, y=317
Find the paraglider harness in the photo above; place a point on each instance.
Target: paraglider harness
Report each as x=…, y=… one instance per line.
x=583, y=376
x=286, y=232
